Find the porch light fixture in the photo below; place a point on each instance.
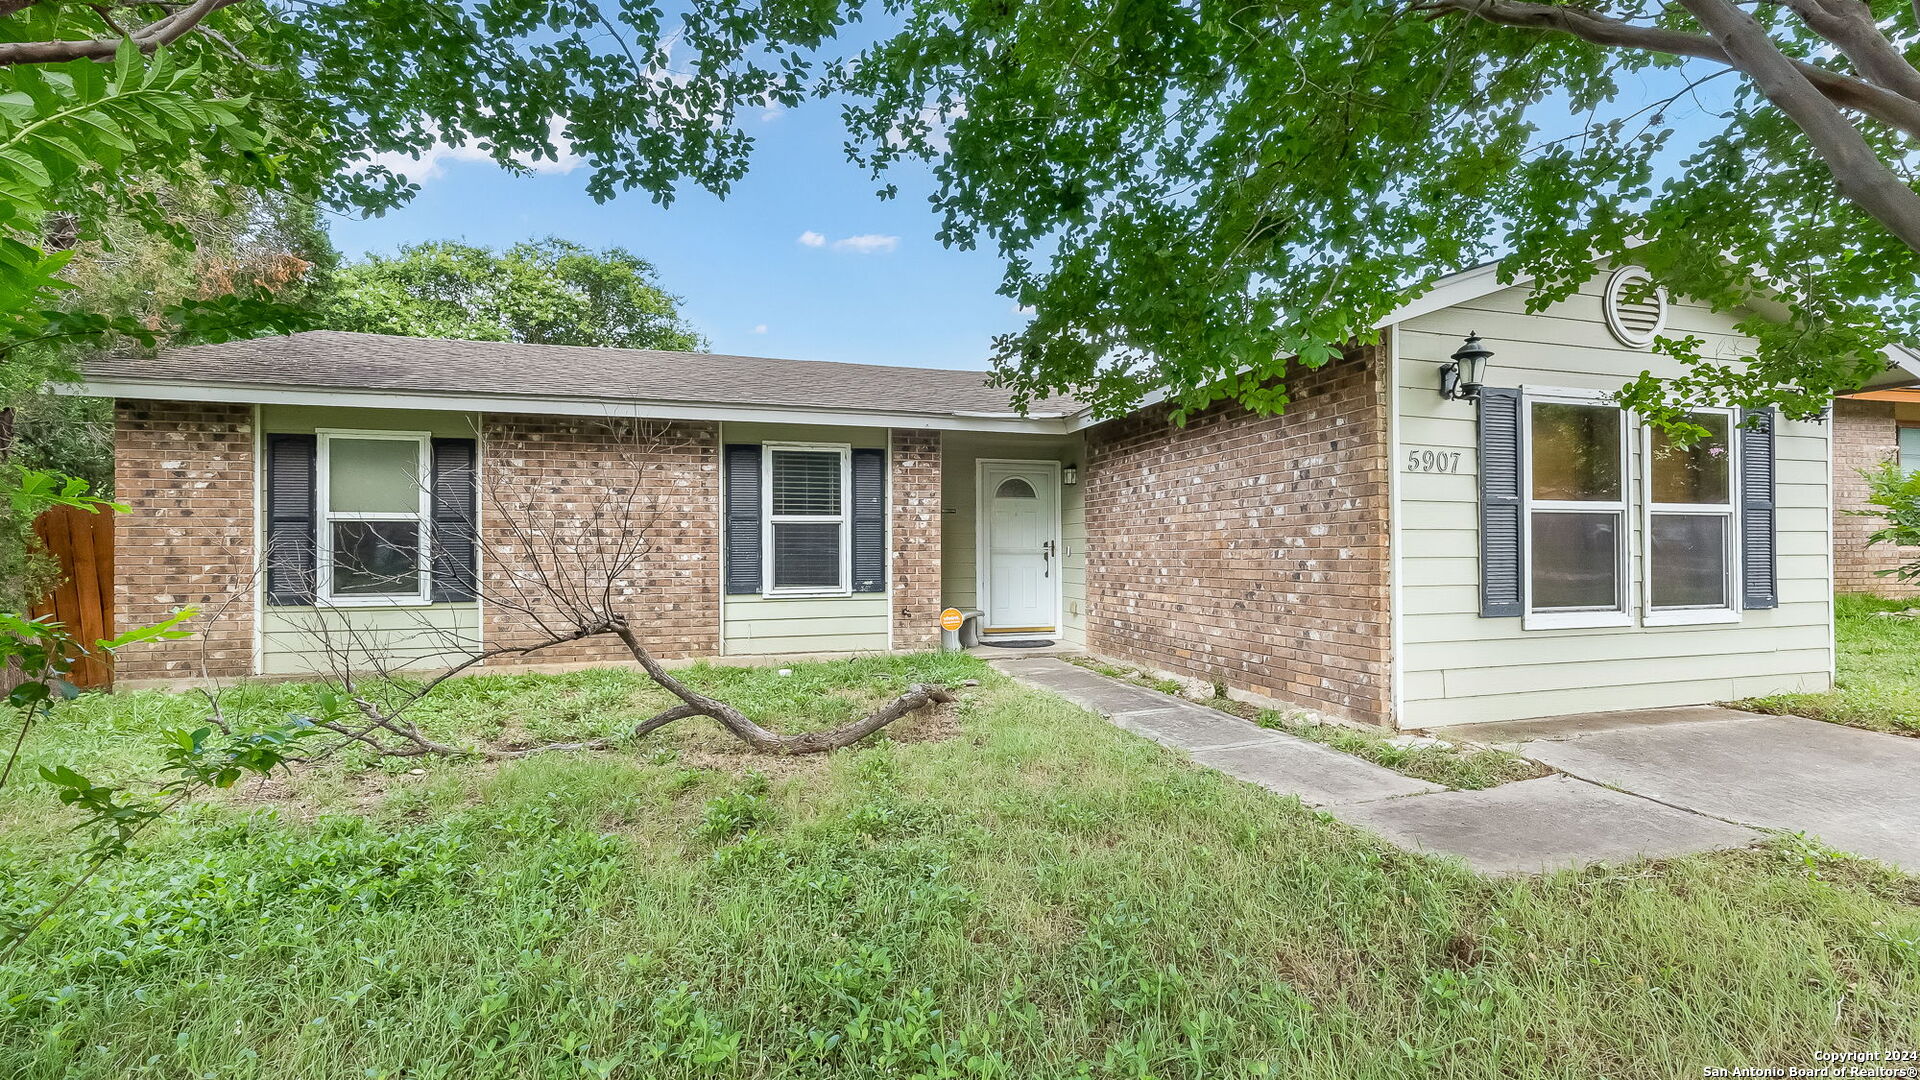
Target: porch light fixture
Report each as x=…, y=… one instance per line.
x=1461, y=380
x=1069, y=476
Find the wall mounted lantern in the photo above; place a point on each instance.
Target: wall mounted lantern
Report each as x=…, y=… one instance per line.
x=1461, y=380
x=1069, y=476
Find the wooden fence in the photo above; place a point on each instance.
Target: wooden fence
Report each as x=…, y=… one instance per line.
x=83, y=543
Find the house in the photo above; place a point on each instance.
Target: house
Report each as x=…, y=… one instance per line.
x=1869, y=428
x=1382, y=553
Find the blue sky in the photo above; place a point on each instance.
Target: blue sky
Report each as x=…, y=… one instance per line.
x=748, y=281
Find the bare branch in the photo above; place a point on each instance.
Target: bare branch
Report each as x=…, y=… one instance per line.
x=1841, y=89
x=162, y=31
x=1850, y=25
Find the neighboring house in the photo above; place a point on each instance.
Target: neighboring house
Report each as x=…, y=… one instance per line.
x=1869, y=428
x=1379, y=553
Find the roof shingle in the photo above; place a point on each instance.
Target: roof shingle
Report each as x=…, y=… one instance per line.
x=339, y=360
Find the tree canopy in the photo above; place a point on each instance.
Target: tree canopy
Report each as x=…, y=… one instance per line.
x=545, y=292
x=1187, y=195
x=1192, y=198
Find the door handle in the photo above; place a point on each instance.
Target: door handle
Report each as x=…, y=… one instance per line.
x=1046, y=559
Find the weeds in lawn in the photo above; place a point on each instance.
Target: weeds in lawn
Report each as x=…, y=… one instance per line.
x=1877, y=686
x=1042, y=896
x=1448, y=765
x=1451, y=766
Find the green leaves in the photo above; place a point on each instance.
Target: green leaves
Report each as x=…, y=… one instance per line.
x=1199, y=201
x=31, y=491
x=69, y=136
x=167, y=629
x=549, y=292
x=1896, y=495
x=60, y=121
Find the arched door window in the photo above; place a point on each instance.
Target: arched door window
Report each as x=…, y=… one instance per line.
x=1014, y=488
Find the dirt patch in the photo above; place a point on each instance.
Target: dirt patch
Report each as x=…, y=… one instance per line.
x=716, y=750
x=364, y=791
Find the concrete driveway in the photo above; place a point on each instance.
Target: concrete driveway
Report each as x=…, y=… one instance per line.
x=1855, y=790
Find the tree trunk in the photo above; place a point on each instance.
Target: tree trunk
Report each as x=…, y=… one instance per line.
x=1862, y=177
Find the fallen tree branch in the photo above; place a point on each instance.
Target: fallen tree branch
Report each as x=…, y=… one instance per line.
x=403, y=739
x=694, y=703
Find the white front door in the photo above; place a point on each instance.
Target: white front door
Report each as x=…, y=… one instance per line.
x=1019, y=578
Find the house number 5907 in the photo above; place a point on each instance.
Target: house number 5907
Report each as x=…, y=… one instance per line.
x=1446, y=461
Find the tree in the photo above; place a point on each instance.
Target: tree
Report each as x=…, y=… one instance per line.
x=268, y=244
x=544, y=292
x=1183, y=192
x=301, y=99
x=241, y=241
x=1896, y=492
x=1189, y=195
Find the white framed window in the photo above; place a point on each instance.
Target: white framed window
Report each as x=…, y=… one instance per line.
x=373, y=506
x=806, y=546
x=1577, y=527
x=1692, y=532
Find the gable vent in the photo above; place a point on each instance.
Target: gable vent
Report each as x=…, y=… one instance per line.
x=1635, y=314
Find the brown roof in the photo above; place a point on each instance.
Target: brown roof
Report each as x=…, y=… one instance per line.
x=337, y=360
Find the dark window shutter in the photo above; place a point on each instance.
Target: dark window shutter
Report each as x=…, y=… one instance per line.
x=1759, y=563
x=742, y=514
x=290, y=518
x=456, y=497
x=1502, y=592
x=869, y=521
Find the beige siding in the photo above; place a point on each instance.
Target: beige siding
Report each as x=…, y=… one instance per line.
x=309, y=641
x=304, y=640
x=960, y=453
x=1073, y=565
x=758, y=626
x=1456, y=667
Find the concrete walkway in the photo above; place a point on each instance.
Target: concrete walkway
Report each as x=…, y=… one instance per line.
x=1523, y=827
x=1855, y=790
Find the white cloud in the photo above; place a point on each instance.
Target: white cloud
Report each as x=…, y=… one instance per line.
x=812, y=239
x=760, y=329
x=432, y=164
x=867, y=243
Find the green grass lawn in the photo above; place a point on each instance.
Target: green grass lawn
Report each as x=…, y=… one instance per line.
x=1012, y=888
x=1878, y=684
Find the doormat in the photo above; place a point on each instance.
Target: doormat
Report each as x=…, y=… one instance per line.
x=1018, y=644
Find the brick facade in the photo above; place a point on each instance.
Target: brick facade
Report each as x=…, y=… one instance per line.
x=914, y=561
x=588, y=494
x=1250, y=550
x=1865, y=433
x=186, y=471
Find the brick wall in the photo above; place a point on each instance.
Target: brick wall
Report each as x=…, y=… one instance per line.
x=914, y=562
x=584, y=495
x=1864, y=435
x=186, y=472
x=1250, y=550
